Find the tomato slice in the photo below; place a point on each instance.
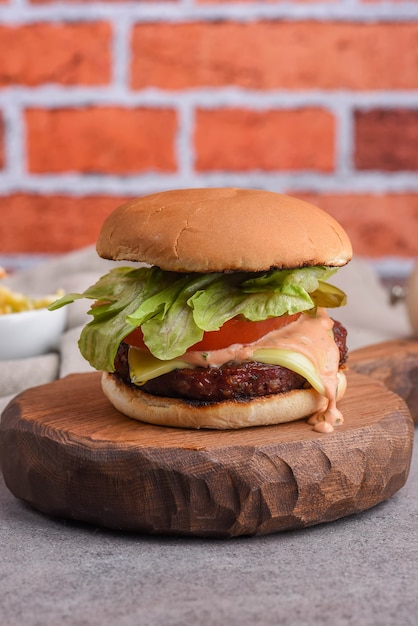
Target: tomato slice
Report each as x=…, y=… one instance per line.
x=234, y=331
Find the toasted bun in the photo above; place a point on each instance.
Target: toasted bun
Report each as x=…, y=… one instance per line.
x=274, y=409
x=214, y=230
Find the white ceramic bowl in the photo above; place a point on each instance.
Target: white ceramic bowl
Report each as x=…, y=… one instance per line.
x=30, y=333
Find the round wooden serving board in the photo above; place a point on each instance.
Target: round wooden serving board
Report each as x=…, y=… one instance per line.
x=395, y=364
x=67, y=452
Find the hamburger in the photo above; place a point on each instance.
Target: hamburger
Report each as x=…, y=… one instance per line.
x=221, y=318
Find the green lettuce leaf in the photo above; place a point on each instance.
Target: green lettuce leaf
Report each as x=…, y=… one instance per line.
x=256, y=299
x=166, y=320
x=119, y=293
x=174, y=310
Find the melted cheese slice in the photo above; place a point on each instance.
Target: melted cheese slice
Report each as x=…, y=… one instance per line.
x=144, y=366
x=305, y=346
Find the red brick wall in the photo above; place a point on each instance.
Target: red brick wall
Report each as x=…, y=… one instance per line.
x=100, y=102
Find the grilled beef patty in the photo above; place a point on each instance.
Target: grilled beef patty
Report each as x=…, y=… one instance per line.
x=231, y=381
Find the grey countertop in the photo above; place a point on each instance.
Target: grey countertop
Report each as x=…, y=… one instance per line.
x=358, y=570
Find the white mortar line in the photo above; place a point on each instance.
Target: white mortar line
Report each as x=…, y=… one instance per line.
x=121, y=54
x=344, y=137
x=14, y=140
x=25, y=13
x=79, y=184
x=184, y=142
x=118, y=93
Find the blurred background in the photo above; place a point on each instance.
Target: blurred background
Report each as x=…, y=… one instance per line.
x=103, y=101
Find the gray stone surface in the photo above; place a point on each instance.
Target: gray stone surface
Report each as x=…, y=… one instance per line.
x=359, y=570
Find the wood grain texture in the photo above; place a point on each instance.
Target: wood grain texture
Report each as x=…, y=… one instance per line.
x=67, y=452
x=395, y=364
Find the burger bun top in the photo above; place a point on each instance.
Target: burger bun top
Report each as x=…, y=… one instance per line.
x=224, y=229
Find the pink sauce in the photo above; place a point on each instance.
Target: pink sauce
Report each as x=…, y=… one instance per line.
x=311, y=336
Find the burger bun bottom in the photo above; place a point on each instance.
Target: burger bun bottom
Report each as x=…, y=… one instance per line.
x=230, y=414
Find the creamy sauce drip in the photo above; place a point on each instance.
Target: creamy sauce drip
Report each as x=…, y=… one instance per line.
x=311, y=336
